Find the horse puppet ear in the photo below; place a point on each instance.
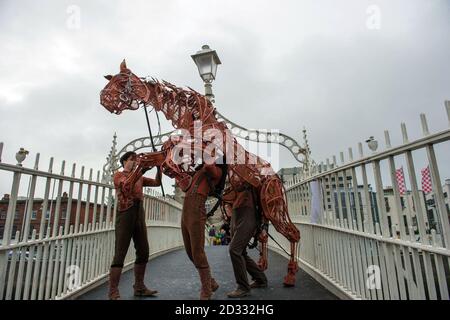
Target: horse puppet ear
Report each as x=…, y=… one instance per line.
x=108, y=77
x=123, y=65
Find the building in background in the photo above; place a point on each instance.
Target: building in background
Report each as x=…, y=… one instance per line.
x=339, y=200
x=37, y=214
x=289, y=174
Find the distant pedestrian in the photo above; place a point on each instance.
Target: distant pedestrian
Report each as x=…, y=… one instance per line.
x=212, y=234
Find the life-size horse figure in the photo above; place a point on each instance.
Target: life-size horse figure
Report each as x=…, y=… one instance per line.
x=191, y=111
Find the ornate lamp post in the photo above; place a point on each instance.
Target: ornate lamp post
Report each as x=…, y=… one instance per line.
x=207, y=61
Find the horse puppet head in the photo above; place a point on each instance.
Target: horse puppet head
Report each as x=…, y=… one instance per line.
x=124, y=91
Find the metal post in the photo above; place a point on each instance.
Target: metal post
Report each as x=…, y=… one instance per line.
x=208, y=91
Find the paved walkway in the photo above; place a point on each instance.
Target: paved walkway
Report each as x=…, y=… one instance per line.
x=174, y=276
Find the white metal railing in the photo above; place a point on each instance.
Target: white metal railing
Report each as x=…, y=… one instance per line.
x=368, y=238
x=59, y=244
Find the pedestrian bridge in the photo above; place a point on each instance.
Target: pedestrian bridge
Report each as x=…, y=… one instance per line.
x=175, y=277
x=364, y=235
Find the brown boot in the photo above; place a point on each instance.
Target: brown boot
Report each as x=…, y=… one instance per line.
x=214, y=285
x=140, y=290
x=205, y=279
x=114, y=278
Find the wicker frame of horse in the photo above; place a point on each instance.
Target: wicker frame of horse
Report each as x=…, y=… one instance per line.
x=193, y=114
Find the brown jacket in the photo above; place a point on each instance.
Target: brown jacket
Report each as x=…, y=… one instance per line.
x=137, y=192
x=212, y=171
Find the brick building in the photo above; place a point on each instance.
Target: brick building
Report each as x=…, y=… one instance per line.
x=37, y=212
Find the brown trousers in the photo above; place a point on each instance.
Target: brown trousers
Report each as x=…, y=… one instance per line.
x=193, y=221
x=243, y=227
x=130, y=224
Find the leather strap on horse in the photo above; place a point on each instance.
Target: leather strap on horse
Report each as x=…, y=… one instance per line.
x=214, y=208
x=217, y=195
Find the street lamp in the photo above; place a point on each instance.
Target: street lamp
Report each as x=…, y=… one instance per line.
x=207, y=61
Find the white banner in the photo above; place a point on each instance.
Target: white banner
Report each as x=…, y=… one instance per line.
x=316, y=201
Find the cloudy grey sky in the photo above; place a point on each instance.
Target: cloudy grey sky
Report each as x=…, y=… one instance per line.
x=319, y=64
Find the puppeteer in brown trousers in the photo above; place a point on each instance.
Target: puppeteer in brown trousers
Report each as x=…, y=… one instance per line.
x=243, y=228
x=130, y=224
x=193, y=222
